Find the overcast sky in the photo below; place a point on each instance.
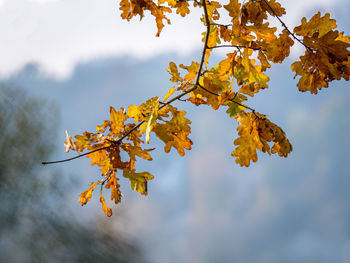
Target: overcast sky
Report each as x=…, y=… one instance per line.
x=56, y=34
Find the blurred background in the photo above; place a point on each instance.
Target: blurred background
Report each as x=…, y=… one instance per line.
x=63, y=63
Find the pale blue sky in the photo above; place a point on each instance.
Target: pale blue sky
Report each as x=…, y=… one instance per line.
x=57, y=34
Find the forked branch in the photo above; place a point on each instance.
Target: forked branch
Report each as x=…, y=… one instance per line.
x=178, y=97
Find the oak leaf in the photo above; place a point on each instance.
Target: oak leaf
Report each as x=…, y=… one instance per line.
x=175, y=131
x=192, y=71
x=328, y=60
x=278, y=49
x=138, y=181
x=105, y=208
x=275, y=6
x=235, y=105
x=173, y=71
x=170, y=92
x=112, y=183
x=151, y=122
x=87, y=194
x=255, y=132
x=117, y=119
x=69, y=144
x=317, y=24
x=182, y=8
x=252, y=12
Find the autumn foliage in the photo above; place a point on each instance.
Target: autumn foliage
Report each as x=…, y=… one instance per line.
x=243, y=29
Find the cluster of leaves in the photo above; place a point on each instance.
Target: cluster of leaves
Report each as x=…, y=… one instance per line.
x=254, y=45
x=121, y=133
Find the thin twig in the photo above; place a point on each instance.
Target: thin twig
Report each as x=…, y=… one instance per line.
x=258, y=49
x=117, y=142
x=78, y=156
x=217, y=24
x=284, y=25
x=233, y=100
x=205, y=46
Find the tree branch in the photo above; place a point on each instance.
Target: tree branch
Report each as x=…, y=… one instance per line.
x=217, y=24
x=258, y=49
x=78, y=156
x=240, y=104
x=205, y=46
x=117, y=142
x=284, y=25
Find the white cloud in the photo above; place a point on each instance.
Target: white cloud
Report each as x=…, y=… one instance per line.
x=43, y=1
x=57, y=34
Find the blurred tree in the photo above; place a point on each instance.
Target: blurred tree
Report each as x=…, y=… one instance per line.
x=31, y=230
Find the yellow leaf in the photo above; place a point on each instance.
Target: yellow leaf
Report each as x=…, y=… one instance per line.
x=170, y=92
x=182, y=8
x=234, y=109
x=174, y=132
x=82, y=141
x=212, y=9
x=100, y=158
x=253, y=13
x=106, y=209
x=249, y=76
x=158, y=13
x=197, y=99
x=279, y=48
x=275, y=6
x=255, y=132
x=134, y=112
x=213, y=37
x=263, y=60
x=134, y=151
x=127, y=10
x=234, y=9
x=263, y=32
x=317, y=24
x=86, y=195
x=343, y=38
x=117, y=122
x=328, y=61
x=103, y=126
x=138, y=181
x=192, y=71
x=171, y=3
x=225, y=33
x=112, y=183
x=131, y=8
x=175, y=75
x=227, y=65
x=151, y=122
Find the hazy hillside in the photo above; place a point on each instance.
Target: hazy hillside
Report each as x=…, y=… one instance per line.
x=203, y=207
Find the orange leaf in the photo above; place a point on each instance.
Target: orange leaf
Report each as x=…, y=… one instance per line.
x=317, y=24
x=170, y=92
x=106, y=209
x=86, y=195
